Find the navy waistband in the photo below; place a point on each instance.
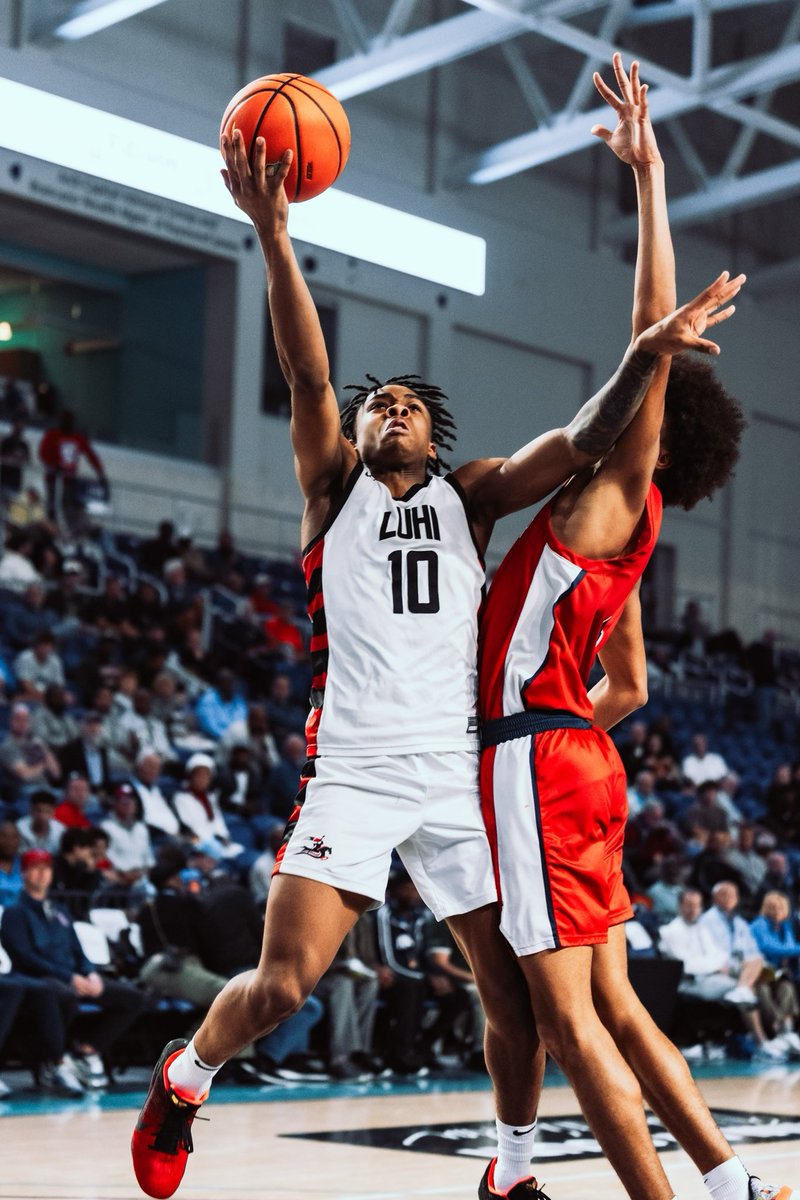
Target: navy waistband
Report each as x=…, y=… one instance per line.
x=523, y=724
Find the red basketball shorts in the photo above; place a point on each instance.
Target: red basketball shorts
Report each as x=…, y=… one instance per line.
x=555, y=806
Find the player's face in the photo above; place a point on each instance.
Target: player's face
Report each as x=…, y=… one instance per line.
x=394, y=430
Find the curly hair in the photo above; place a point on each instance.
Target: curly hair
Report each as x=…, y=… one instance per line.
x=443, y=427
x=704, y=425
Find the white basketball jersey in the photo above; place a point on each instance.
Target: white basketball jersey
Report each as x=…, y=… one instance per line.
x=394, y=588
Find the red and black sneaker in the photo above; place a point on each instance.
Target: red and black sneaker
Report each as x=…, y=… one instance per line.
x=523, y=1189
x=162, y=1139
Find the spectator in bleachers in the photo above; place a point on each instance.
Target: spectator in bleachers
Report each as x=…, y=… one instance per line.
x=402, y=929
x=746, y=860
x=715, y=864
x=77, y=798
x=192, y=557
x=782, y=801
x=284, y=715
x=706, y=812
x=39, y=666
x=666, y=892
x=170, y=705
x=179, y=591
x=60, y=452
x=242, y=786
x=777, y=986
x=633, y=751
x=255, y=733
x=157, y=813
x=262, y=602
x=26, y=758
x=712, y=971
x=130, y=850
x=778, y=876
x=703, y=765
x=694, y=630
x=76, y=879
x=144, y=607
x=155, y=552
x=26, y=511
x=87, y=754
x=193, y=656
x=42, y=1019
x=259, y=876
x=15, y=456
x=68, y=600
x=52, y=722
x=17, y=571
x=349, y=990
x=650, y=838
x=660, y=760
x=197, y=806
x=41, y=941
x=640, y=791
x=285, y=778
x=10, y=863
x=108, y=612
x=284, y=639
x=27, y=617
x=220, y=706
x=225, y=557
x=40, y=830
x=139, y=728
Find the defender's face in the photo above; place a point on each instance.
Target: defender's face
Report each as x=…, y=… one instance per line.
x=394, y=427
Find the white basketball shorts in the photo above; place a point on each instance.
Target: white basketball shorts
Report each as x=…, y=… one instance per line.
x=427, y=806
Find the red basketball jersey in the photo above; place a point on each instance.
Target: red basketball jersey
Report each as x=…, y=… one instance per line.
x=547, y=614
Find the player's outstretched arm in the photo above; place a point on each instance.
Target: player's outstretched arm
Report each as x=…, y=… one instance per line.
x=623, y=688
x=545, y=463
x=322, y=454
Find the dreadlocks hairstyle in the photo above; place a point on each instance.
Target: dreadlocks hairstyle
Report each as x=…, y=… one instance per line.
x=704, y=425
x=443, y=427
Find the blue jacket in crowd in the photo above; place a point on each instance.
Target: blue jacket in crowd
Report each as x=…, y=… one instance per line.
x=40, y=940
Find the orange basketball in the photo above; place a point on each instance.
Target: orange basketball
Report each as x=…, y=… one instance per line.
x=292, y=112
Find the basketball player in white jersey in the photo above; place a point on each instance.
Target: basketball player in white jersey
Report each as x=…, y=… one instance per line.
x=394, y=572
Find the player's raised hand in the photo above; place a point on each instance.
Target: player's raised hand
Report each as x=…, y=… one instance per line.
x=633, y=139
x=258, y=189
x=683, y=329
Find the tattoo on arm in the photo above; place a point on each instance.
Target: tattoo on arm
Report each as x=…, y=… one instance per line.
x=603, y=418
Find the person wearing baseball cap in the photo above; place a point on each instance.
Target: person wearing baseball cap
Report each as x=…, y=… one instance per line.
x=40, y=939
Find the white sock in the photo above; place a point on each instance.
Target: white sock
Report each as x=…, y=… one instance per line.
x=728, y=1181
x=190, y=1076
x=514, y=1154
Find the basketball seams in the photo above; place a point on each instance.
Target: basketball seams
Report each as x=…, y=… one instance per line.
x=335, y=131
x=245, y=93
x=300, y=165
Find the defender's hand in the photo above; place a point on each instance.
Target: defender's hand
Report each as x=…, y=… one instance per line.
x=633, y=141
x=683, y=329
x=257, y=191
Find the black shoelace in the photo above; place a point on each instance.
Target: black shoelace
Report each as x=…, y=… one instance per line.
x=176, y=1130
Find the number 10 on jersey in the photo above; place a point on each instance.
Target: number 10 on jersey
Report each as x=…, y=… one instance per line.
x=415, y=581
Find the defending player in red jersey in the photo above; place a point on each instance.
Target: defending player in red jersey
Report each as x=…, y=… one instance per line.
x=553, y=787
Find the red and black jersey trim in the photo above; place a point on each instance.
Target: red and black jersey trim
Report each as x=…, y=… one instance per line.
x=338, y=501
x=309, y=771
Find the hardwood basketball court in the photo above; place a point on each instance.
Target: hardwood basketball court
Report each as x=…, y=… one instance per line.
x=375, y=1142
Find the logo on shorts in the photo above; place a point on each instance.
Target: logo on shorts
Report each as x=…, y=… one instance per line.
x=315, y=847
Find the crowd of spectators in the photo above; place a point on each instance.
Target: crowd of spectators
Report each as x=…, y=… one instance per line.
x=153, y=697
x=714, y=869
